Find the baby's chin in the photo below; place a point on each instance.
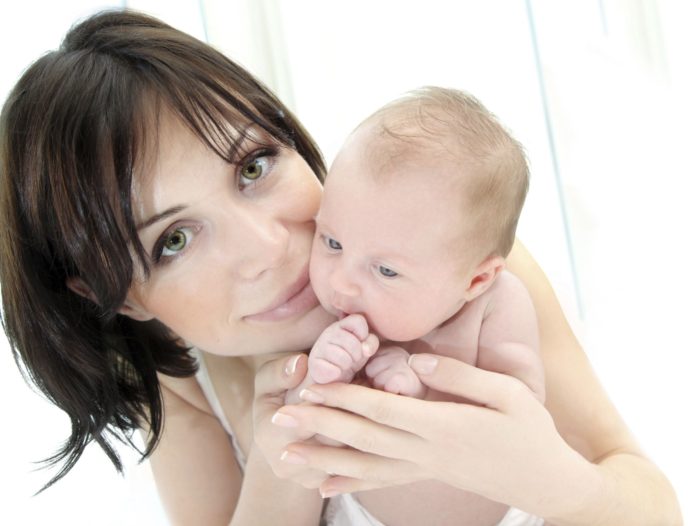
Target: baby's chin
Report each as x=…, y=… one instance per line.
x=395, y=334
x=391, y=334
x=388, y=334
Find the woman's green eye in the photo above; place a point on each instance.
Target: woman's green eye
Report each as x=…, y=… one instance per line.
x=256, y=166
x=254, y=169
x=175, y=242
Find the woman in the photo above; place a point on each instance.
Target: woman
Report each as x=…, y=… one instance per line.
x=155, y=199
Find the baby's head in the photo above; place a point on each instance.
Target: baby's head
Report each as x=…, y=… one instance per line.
x=419, y=211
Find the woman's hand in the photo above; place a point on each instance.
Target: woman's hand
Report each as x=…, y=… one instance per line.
x=272, y=381
x=504, y=446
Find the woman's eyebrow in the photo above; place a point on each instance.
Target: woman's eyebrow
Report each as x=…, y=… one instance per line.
x=159, y=217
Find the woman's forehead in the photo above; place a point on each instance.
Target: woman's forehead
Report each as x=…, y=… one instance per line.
x=179, y=167
x=170, y=142
x=166, y=142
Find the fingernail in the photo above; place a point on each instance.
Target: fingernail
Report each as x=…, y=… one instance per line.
x=311, y=396
x=328, y=493
x=283, y=420
x=291, y=365
x=422, y=364
x=366, y=349
x=292, y=458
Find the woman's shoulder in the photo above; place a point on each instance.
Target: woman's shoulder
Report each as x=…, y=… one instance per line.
x=182, y=393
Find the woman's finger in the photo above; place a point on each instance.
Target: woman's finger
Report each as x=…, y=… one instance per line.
x=448, y=375
x=281, y=374
x=339, y=484
x=398, y=412
x=272, y=382
x=352, y=430
x=352, y=464
x=394, y=411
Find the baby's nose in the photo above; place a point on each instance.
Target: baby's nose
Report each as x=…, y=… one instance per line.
x=342, y=285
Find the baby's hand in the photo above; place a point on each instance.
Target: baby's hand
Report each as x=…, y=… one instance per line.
x=389, y=371
x=342, y=350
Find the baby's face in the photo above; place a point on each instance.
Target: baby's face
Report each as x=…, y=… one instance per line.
x=389, y=247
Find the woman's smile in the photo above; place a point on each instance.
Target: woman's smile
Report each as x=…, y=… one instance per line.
x=298, y=298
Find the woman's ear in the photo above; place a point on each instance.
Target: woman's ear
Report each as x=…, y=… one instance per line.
x=81, y=288
x=135, y=311
x=129, y=308
x=484, y=275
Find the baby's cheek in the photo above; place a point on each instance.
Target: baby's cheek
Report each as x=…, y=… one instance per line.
x=318, y=276
x=393, y=323
x=383, y=324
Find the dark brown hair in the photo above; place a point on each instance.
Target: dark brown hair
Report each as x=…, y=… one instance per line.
x=71, y=135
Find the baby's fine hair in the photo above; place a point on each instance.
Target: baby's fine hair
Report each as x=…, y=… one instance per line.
x=434, y=124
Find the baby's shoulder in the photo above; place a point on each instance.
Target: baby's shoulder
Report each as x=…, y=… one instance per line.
x=507, y=283
x=505, y=291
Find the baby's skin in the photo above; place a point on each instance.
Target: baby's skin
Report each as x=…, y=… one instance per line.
x=345, y=347
x=495, y=331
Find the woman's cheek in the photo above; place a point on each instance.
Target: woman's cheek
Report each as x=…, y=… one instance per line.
x=297, y=202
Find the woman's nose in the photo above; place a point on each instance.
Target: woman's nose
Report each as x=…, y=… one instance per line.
x=260, y=242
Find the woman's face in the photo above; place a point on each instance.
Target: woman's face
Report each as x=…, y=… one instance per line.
x=229, y=245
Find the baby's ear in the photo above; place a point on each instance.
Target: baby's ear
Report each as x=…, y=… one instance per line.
x=129, y=308
x=484, y=275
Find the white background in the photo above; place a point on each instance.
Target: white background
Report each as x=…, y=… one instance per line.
x=598, y=92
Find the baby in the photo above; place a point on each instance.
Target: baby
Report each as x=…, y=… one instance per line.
x=418, y=214
x=419, y=211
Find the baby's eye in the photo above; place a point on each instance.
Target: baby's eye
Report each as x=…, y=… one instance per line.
x=175, y=241
x=332, y=243
x=387, y=272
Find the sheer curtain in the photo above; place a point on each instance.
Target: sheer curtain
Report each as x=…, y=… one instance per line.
x=598, y=92
x=619, y=92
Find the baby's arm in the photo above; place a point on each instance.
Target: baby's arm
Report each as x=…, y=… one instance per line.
x=340, y=351
x=509, y=337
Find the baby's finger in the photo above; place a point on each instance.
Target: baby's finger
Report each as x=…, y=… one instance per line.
x=377, y=365
x=350, y=343
x=355, y=324
x=380, y=379
x=323, y=371
x=370, y=345
x=338, y=356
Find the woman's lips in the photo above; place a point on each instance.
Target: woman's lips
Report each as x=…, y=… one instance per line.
x=297, y=300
